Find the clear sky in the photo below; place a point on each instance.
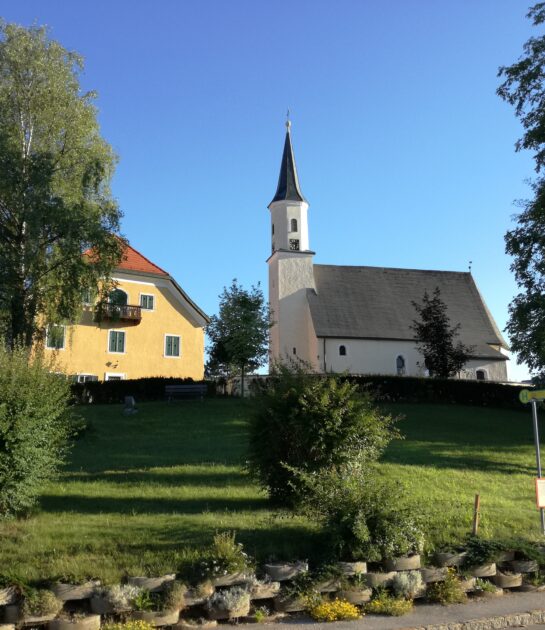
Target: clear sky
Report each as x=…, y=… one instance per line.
x=404, y=152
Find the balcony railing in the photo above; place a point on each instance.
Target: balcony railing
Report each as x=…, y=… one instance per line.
x=107, y=311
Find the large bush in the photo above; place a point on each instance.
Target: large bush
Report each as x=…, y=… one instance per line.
x=35, y=425
x=309, y=423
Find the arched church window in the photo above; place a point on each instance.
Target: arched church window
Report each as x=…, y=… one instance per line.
x=342, y=351
x=293, y=226
x=481, y=375
x=400, y=365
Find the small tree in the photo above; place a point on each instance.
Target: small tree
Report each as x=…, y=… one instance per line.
x=308, y=423
x=55, y=199
x=443, y=356
x=35, y=424
x=239, y=334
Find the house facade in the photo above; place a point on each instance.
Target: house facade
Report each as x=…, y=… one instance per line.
x=148, y=327
x=358, y=319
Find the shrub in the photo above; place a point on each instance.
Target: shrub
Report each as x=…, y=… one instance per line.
x=484, y=586
x=336, y=610
x=40, y=603
x=407, y=584
x=122, y=596
x=309, y=423
x=229, y=599
x=172, y=597
x=385, y=604
x=481, y=551
x=35, y=427
x=449, y=591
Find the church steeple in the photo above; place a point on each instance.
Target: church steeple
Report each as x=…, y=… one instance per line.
x=288, y=188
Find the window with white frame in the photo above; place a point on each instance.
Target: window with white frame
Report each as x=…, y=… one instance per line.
x=116, y=341
x=54, y=339
x=114, y=376
x=172, y=345
x=147, y=302
x=85, y=378
x=293, y=225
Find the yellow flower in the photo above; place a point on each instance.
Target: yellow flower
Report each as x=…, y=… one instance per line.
x=336, y=610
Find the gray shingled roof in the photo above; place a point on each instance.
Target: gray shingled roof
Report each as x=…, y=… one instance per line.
x=288, y=183
x=375, y=303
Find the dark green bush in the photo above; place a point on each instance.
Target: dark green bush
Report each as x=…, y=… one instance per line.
x=35, y=426
x=309, y=423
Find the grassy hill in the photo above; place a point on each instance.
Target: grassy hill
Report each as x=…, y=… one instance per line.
x=142, y=491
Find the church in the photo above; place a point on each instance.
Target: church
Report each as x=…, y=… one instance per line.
x=358, y=319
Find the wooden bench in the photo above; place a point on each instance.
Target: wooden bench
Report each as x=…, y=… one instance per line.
x=187, y=390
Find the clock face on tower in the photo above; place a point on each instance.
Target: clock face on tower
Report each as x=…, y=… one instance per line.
x=294, y=244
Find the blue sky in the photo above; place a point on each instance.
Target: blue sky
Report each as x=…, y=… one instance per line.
x=404, y=151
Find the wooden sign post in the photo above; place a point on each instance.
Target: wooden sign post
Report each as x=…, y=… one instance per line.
x=527, y=396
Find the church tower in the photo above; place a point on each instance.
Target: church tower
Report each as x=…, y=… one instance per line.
x=290, y=266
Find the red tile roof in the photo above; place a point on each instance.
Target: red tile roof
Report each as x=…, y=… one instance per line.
x=133, y=260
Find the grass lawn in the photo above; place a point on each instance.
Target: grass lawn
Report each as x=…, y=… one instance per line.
x=142, y=491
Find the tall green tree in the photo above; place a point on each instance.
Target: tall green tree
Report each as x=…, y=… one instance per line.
x=436, y=338
x=523, y=87
x=239, y=334
x=55, y=198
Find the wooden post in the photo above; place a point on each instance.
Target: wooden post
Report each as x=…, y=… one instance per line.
x=476, y=509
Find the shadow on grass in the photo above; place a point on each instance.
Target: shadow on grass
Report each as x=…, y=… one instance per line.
x=138, y=505
x=175, y=478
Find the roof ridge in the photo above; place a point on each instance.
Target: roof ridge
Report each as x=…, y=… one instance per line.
x=461, y=273
x=128, y=246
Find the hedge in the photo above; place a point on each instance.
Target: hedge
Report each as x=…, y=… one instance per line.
x=143, y=389
x=440, y=390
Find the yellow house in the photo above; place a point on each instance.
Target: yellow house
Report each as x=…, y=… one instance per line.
x=149, y=327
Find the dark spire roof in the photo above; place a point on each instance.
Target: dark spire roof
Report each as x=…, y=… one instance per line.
x=288, y=182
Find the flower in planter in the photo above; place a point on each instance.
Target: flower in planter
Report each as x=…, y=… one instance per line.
x=229, y=599
x=337, y=610
x=121, y=596
x=40, y=603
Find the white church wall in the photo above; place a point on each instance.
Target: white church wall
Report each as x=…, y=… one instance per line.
x=377, y=356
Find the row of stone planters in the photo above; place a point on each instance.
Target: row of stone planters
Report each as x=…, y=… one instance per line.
x=230, y=597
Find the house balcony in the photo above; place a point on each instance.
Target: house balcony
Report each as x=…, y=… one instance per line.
x=107, y=311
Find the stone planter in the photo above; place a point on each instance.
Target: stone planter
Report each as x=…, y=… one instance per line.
x=156, y=618
x=11, y=614
x=101, y=606
x=241, y=611
x=71, y=592
x=185, y=625
x=497, y=593
x=35, y=621
x=450, y=559
x=265, y=590
x=198, y=595
x=379, y=579
x=507, y=580
x=91, y=622
x=328, y=586
x=231, y=579
x=152, y=584
x=403, y=563
x=8, y=595
x=358, y=598
x=290, y=604
x=7, y=626
x=505, y=556
x=352, y=568
x=524, y=566
x=282, y=571
x=483, y=570
x=433, y=574
x=468, y=584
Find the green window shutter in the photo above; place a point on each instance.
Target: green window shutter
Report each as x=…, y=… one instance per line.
x=113, y=341
x=176, y=346
x=168, y=348
x=121, y=342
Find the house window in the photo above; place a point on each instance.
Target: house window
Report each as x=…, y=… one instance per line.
x=481, y=375
x=54, y=339
x=87, y=296
x=172, y=346
x=294, y=244
x=342, y=351
x=146, y=302
x=118, y=297
x=85, y=378
x=293, y=225
x=400, y=365
x=294, y=350
x=117, y=341
x=113, y=376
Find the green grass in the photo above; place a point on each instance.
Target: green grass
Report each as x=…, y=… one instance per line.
x=141, y=492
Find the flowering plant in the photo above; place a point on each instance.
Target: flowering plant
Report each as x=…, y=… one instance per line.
x=337, y=610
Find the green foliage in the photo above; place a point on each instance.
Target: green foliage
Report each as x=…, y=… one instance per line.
x=436, y=339
x=385, y=604
x=260, y=614
x=172, y=596
x=484, y=586
x=482, y=551
x=449, y=591
x=336, y=610
x=143, y=601
x=239, y=334
x=524, y=88
x=35, y=427
x=40, y=603
x=305, y=423
x=55, y=200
